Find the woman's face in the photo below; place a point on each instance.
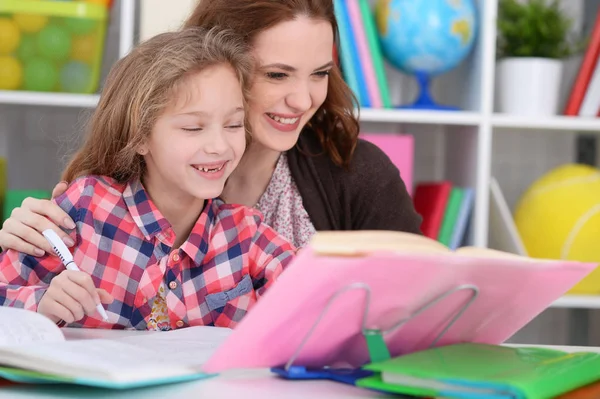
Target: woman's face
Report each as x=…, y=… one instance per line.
x=294, y=59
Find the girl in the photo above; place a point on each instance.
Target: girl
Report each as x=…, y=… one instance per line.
x=150, y=241
x=306, y=169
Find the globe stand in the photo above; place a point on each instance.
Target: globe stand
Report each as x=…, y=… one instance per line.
x=424, y=99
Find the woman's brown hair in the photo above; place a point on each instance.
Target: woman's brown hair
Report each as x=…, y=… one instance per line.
x=334, y=122
x=138, y=89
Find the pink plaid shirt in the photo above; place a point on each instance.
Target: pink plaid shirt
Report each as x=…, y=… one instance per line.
x=126, y=245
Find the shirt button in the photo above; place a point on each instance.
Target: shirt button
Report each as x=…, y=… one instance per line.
x=173, y=285
x=175, y=257
x=179, y=323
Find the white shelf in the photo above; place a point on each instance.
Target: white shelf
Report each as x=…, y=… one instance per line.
x=569, y=123
x=49, y=99
x=578, y=301
x=417, y=116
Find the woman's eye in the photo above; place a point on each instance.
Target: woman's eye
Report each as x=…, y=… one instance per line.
x=238, y=126
x=191, y=129
x=275, y=75
x=322, y=74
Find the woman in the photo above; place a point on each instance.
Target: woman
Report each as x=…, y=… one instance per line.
x=305, y=170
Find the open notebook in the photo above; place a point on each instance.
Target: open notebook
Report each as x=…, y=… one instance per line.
x=33, y=349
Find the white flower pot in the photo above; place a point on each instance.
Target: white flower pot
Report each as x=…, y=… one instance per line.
x=528, y=86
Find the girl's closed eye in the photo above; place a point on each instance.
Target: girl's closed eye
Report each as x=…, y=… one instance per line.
x=236, y=125
x=192, y=129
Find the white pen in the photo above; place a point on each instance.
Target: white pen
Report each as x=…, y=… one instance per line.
x=65, y=255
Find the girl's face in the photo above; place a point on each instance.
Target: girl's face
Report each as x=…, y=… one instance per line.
x=294, y=59
x=199, y=139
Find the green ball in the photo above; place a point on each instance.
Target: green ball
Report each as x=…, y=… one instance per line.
x=79, y=26
x=54, y=42
x=75, y=77
x=40, y=75
x=27, y=48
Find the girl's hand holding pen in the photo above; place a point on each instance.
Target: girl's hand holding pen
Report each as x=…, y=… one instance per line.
x=70, y=296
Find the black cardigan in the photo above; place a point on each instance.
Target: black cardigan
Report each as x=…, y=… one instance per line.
x=370, y=195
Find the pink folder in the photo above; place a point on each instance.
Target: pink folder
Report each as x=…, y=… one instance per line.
x=400, y=149
x=511, y=293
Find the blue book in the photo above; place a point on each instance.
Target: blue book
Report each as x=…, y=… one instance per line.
x=348, y=54
x=463, y=218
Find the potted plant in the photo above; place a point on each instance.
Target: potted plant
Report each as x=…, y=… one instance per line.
x=533, y=39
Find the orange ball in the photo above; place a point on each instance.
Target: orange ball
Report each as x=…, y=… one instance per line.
x=84, y=48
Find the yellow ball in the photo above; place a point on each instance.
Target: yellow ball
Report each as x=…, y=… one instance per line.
x=9, y=36
x=558, y=217
x=84, y=48
x=11, y=73
x=30, y=23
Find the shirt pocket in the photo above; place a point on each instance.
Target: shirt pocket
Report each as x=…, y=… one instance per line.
x=227, y=308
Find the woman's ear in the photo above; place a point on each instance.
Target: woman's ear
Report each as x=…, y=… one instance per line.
x=142, y=149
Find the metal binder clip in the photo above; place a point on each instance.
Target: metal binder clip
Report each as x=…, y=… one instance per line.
x=376, y=345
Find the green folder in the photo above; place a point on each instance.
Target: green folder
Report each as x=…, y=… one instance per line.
x=480, y=371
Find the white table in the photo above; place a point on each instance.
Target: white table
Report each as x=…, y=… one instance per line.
x=246, y=384
x=252, y=384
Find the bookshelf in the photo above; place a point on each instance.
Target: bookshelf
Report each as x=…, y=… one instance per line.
x=478, y=142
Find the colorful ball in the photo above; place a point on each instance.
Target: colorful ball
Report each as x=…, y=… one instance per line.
x=10, y=36
x=27, y=49
x=80, y=26
x=40, y=75
x=11, y=73
x=84, y=48
x=54, y=43
x=30, y=23
x=75, y=77
x=558, y=217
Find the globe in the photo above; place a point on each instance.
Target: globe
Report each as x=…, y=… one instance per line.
x=426, y=38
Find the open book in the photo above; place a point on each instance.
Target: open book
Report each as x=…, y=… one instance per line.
x=33, y=349
x=413, y=289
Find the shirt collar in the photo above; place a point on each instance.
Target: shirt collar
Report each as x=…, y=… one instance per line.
x=152, y=223
x=143, y=211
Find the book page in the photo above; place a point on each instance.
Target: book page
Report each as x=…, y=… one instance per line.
x=493, y=253
x=192, y=345
x=362, y=242
x=19, y=326
x=125, y=359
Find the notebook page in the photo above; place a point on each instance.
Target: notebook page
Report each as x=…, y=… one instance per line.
x=192, y=345
x=95, y=359
x=136, y=357
x=19, y=326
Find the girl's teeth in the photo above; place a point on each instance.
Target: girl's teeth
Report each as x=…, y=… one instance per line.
x=209, y=170
x=285, y=121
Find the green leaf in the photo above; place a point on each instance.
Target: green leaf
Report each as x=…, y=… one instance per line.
x=534, y=28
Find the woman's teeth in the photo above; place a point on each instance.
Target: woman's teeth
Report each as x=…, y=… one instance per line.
x=285, y=121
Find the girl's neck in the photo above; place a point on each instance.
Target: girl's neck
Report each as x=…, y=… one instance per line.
x=181, y=211
x=251, y=177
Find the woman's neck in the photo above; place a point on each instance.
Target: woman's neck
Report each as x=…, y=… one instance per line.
x=250, y=179
x=181, y=210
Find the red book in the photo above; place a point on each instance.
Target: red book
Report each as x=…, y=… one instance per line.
x=430, y=201
x=585, y=71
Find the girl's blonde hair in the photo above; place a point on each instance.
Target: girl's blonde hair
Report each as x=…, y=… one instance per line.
x=139, y=88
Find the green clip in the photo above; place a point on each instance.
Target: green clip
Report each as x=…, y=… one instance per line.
x=378, y=350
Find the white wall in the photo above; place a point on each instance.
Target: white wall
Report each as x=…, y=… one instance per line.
x=157, y=16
